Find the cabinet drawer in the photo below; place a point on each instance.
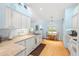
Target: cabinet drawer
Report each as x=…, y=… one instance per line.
x=22, y=53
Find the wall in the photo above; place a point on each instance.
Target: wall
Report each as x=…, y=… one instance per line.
x=42, y=23
x=58, y=23
x=45, y=23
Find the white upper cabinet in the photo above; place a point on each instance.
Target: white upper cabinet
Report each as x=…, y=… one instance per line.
x=75, y=18
x=75, y=21
x=2, y=19
x=24, y=21
x=5, y=17
x=16, y=20
x=19, y=20
x=76, y=10
x=11, y=16
x=8, y=17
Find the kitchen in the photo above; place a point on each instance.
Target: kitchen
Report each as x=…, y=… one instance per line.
x=24, y=26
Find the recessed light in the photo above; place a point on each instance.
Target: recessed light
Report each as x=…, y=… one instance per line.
x=41, y=9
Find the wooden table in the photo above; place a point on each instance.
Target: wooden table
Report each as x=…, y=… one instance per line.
x=52, y=37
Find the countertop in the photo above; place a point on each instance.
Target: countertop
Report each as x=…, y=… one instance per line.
x=10, y=48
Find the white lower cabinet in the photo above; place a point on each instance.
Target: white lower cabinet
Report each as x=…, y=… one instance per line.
x=78, y=50
x=30, y=44
x=73, y=48
x=22, y=53
x=39, y=39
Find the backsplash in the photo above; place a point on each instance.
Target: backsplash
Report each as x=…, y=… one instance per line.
x=17, y=32
x=10, y=33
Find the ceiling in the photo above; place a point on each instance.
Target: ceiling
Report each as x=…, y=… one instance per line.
x=48, y=10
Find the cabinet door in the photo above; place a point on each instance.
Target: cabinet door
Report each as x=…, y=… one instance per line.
x=75, y=21
x=8, y=17
x=78, y=20
x=16, y=20
x=30, y=45
x=39, y=39
x=28, y=22
x=19, y=20
x=78, y=50
x=72, y=48
x=24, y=22
x=22, y=53
x=2, y=17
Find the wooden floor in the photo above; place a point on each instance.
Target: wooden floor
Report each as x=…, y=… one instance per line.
x=51, y=48
x=54, y=48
